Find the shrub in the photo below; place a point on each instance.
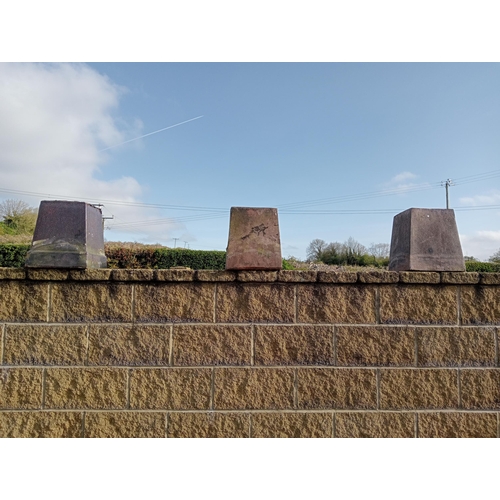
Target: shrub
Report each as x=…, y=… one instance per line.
x=155, y=257
x=12, y=255
x=483, y=267
x=349, y=253
x=133, y=257
x=195, y=259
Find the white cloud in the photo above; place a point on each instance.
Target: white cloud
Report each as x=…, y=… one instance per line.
x=402, y=182
x=403, y=176
x=492, y=198
x=481, y=245
x=54, y=120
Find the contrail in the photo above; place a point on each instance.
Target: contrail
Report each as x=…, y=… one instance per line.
x=151, y=133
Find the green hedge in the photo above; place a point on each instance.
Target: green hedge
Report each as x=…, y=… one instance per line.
x=165, y=258
x=13, y=255
x=483, y=267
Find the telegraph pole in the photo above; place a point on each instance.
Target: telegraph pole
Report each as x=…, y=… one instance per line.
x=447, y=183
x=100, y=206
x=175, y=241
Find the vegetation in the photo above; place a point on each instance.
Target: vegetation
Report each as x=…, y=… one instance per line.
x=17, y=221
x=13, y=255
x=138, y=256
x=483, y=267
x=349, y=253
x=469, y=258
x=495, y=257
x=132, y=256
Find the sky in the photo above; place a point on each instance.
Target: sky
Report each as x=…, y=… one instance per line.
x=338, y=148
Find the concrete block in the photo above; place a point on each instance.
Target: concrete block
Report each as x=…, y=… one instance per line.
x=456, y=346
x=124, y=425
x=20, y=388
x=254, y=239
x=170, y=388
x=414, y=389
x=197, y=345
x=375, y=346
x=40, y=424
x=85, y=388
x=292, y=425
x=255, y=303
x=374, y=425
x=208, y=425
x=68, y=234
x=457, y=425
x=325, y=303
x=169, y=302
x=293, y=345
x=419, y=305
x=336, y=388
x=426, y=239
x=480, y=388
x=253, y=389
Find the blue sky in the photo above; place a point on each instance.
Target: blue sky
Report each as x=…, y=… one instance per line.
x=271, y=134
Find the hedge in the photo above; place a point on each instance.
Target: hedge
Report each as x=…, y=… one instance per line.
x=13, y=255
x=483, y=267
x=165, y=258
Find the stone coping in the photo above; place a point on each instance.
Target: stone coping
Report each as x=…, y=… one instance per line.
x=174, y=275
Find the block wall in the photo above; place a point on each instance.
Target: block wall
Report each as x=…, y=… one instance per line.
x=160, y=353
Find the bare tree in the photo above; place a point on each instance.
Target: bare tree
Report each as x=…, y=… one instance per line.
x=18, y=217
x=379, y=250
x=316, y=249
x=353, y=247
x=495, y=257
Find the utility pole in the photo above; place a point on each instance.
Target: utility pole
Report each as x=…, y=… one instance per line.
x=175, y=241
x=447, y=183
x=100, y=206
x=104, y=219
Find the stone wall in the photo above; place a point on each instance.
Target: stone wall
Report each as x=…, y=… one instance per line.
x=148, y=353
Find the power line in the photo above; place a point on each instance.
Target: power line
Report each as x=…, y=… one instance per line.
x=361, y=196
x=116, y=202
x=286, y=209
x=168, y=220
x=336, y=199
x=474, y=177
x=130, y=225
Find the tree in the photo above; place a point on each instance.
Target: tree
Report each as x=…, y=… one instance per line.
x=349, y=253
x=17, y=217
x=332, y=254
x=353, y=251
x=354, y=247
x=379, y=250
x=315, y=250
x=495, y=257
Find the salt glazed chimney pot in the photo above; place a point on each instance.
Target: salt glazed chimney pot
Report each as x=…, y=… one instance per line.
x=426, y=239
x=254, y=239
x=68, y=234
